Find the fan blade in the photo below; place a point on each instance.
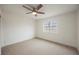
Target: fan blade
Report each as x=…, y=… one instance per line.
x=41, y=12
x=28, y=12
x=27, y=8
x=39, y=6
x=30, y=5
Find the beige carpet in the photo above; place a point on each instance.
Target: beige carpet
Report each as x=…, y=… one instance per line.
x=37, y=47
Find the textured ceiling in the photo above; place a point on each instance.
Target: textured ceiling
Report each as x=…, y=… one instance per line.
x=49, y=9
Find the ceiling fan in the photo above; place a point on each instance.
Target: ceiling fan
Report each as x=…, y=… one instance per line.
x=34, y=10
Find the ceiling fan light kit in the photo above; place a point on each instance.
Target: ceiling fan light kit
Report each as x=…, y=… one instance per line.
x=34, y=10
x=34, y=13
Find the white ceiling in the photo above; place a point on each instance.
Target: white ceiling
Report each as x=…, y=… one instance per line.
x=49, y=9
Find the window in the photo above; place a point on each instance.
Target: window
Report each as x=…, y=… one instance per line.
x=50, y=26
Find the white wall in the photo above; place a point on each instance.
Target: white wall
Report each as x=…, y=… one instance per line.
x=67, y=29
x=0, y=35
x=78, y=28
x=17, y=27
x=0, y=32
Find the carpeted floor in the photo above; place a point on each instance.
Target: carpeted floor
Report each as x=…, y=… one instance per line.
x=37, y=47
